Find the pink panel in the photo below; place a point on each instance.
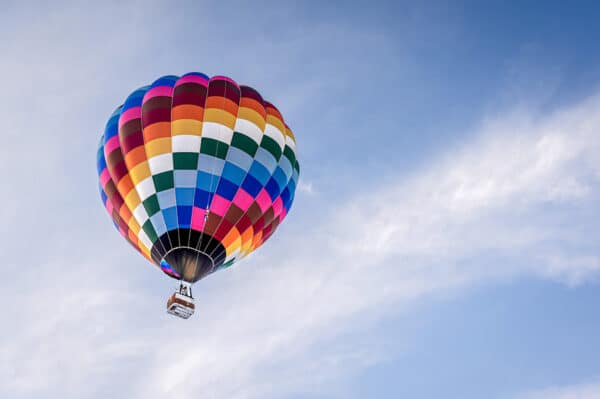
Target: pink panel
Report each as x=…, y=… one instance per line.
x=198, y=218
x=242, y=199
x=282, y=216
x=192, y=79
x=263, y=200
x=219, y=205
x=131, y=113
x=158, y=91
x=277, y=206
x=109, y=207
x=104, y=177
x=111, y=145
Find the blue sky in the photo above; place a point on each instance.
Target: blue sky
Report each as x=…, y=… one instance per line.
x=443, y=240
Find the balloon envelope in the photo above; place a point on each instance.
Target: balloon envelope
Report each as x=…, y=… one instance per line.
x=196, y=172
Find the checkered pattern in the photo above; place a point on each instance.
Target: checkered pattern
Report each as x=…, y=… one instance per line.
x=194, y=154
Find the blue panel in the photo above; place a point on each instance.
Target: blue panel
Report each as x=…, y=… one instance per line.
x=281, y=178
x=286, y=166
x=292, y=187
x=285, y=196
x=240, y=158
x=166, y=199
x=233, y=173
x=170, y=215
x=227, y=189
x=112, y=126
x=207, y=182
x=103, y=195
x=158, y=222
x=252, y=186
x=185, y=178
x=210, y=164
x=184, y=216
x=272, y=188
x=135, y=98
x=260, y=173
x=266, y=158
x=185, y=196
x=168, y=80
x=201, y=198
x=101, y=164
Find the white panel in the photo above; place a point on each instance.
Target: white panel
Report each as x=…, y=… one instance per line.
x=140, y=214
x=217, y=131
x=143, y=237
x=145, y=188
x=275, y=134
x=161, y=163
x=249, y=129
x=186, y=143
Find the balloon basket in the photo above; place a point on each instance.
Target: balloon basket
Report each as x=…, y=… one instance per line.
x=181, y=303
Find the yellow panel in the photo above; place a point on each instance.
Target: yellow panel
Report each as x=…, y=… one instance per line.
x=132, y=200
x=186, y=126
x=145, y=251
x=251, y=115
x=134, y=226
x=233, y=246
x=219, y=116
x=273, y=120
x=158, y=147
x=140, y=172
x=288, y=132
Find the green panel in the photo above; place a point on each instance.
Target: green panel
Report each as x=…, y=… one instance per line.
x=287, y=151
x=185, y=160
x=214, y=147
x=271, y=145
x=297, y=167
x=227, y=264
x=244, y=143
x=164, y=181
x=151, y=204
x=149, y=229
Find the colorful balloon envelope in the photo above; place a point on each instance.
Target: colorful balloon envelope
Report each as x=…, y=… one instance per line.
x=197, y=172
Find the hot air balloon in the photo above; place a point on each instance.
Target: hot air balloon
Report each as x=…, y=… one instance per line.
x=196, y=173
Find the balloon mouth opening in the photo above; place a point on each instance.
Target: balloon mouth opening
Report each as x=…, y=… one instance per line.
x=190, y=264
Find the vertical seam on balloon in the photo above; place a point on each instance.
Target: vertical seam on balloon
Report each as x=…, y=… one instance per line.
x=197, y=163
x=173, y=159
x=212, y=237
x=211, y=197
x=151, y=173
